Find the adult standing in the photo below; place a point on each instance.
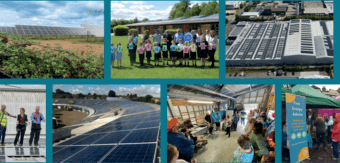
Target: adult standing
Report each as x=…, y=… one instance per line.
x=36, y=119
x=249, y=126
x=236, y=119
x=329, y=128
x=217, y=121
x=178, y=36
x=3, y=122
x=336, y=136
x=198, y=42
x=207, y=36
x=21, y=127
x=134, y=38
x=320, y=131
x=144, y=38
x=168, y=37
x=208, y=120
x=156, y=37
x=213, y=41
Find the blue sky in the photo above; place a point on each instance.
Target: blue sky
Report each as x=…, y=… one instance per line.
x=50, y=13
x=140, y=90
x=143, y=9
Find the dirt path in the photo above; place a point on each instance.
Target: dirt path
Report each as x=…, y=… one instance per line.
x=69, y=117
x=97, y=49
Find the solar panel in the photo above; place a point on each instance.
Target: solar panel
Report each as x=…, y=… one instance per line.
x=73, y=140
x=148, y=124
x=91, y=154
x=112, y=138
x=66, y=153
x=138, y=109
x=141, y=136
x=90, y=139
x=128, y=126
x=132, y=153
x=129, y=105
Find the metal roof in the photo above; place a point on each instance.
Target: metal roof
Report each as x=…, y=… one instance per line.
x=195, y=19
x=25, y=88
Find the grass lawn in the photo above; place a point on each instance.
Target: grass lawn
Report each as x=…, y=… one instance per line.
x=166, y=71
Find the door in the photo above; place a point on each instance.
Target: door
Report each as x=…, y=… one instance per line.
x=185, y=28
x=151, y=30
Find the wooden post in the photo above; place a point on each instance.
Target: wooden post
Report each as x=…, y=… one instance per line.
x=180, y=112
x=195, y=115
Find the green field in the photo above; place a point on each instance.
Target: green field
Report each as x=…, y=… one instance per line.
x=166, y=71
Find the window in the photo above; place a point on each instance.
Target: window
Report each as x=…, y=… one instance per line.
x=194, y=27
x=178, y=27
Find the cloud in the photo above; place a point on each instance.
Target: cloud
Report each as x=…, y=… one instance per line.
x=119, y=10
x=58, y=86
x=140, y=91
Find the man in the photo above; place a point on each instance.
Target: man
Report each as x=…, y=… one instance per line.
x=3, y=122
x=36, y=119
x=168, y=37
x=236, y=119
x=208, y=120
x=157, y=37
x=184, y=144
x=207, y=38
x=178, y=36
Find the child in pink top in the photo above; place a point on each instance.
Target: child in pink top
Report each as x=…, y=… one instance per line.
x=186, y=49
x=141, y=54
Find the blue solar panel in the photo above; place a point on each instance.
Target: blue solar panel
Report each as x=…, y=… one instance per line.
x=139, y=136
x=138, y=109
x=91, y=139
x=103, y=111
x=130, y=104
x=148, y=124
x=57, y=148
x=114, y=137
x=97, y=130
x=65, y=153
x=132, y=153
x=91, y=154
x=121, y=102
x=128, y=126
x=73, y=140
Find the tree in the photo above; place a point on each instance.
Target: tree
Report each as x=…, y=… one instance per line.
x=89, y=94
x=145, y=20
x=135, y=20
x=69, y=96
x=112, y=93
x=95, y=11
x=147, y=98
x=195, y=10
x=95, y=96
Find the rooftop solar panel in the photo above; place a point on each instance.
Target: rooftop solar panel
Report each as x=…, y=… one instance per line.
x=73, y=140
x=90, y=139
x=142, y=136
x=112, y=138
x=66, y=153
x=132, y=153
x=148, y=124
x=91, y=154
x=130, y=104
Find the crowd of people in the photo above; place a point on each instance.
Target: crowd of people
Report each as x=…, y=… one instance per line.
x=257, y=144
x=22, y=122
x=173, y=47
x=327, y=131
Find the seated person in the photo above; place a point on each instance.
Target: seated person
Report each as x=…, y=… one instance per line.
x=264, y=122
x=245, y=152
x=259, y=143
x=200, y=138
x=172, y=154
x=184, y=144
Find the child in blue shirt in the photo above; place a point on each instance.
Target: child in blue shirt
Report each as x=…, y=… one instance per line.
x=173, y=53
x=157, y=51
x=119, y=56
x=112, y=54
x=132, y=54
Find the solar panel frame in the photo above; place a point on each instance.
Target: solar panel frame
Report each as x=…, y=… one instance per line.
x=121, y=153
x=142, y=136
x=65, y=153
x=91, y=154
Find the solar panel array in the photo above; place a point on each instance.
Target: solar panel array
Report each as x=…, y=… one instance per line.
x=98, y=31
x=272, y=41
x=130, y=138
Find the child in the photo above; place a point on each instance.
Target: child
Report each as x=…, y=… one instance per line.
x=141, y=54
x=165, y=51
x=228, y=123
x=204, y=50
x=148, y=47
x=173, y=53
x=132, y=54
x=193, y=49
x=157, y=50
x=180, y=51
x=113, y=49
x=200, y=138
x=186, y=54
x=119, y=56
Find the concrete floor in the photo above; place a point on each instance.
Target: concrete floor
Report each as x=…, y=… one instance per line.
x=220, y=148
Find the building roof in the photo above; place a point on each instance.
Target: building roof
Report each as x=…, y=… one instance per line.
x=250, y=14
x=274, y=40
x=183, y=20
x=314, y=7
x=232, y=2
x=35, y=88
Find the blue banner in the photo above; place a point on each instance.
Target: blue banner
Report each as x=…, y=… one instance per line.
x=297, y=127
x=188, y=37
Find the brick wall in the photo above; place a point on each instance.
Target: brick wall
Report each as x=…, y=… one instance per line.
x=169, y=27
x=205, y=27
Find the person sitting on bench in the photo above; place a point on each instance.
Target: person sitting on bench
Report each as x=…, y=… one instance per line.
x=173, y=154
x=200, y=138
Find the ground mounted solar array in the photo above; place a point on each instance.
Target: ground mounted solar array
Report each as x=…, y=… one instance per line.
x=97, y=31
x=130, y=138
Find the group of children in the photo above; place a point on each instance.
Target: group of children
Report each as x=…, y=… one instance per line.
x=181, y=51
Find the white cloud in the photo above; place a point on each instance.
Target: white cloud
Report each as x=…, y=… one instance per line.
x=134, y=2
x=58, y=86
x=140, y=91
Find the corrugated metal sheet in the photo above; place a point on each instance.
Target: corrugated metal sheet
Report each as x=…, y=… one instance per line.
x=14, y=100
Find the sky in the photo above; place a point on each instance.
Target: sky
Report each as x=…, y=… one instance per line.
x=140, y=90
x=143, y=9
x=328, y=86
x=50, y=13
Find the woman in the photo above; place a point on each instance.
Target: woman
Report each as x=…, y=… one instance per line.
x=320, y=131
x=245, y=152
x=134, y=40
x=258, y=142
x=198, y=41
x=329, y=128
x=248, y=129
x=21, y=127
x=217, y=122
x=212, y=40
x=173, y=154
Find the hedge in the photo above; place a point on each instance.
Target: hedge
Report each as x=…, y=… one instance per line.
x=172, y=32
x=121, y=30
x=136, y=31
x=147, y=32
